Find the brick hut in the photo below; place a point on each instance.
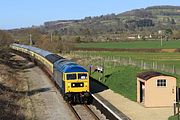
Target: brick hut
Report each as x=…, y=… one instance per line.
x=155, y=89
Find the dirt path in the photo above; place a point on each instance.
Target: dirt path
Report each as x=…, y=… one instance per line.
x=27, y=93
x=46, y=100
x=134, y=110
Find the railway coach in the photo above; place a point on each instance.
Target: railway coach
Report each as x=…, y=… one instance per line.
x=71, y=78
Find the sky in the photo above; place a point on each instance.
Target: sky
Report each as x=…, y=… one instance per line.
x=25, y=13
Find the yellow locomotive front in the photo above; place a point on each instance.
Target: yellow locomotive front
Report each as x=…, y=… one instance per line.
x=73, y=80
x=77, y=82
x=77, y=87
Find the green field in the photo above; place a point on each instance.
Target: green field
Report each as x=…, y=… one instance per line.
x=168, y=59
x=133, y=44
x=122, y=79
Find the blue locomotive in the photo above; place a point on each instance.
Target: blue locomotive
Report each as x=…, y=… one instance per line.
x=72, y=79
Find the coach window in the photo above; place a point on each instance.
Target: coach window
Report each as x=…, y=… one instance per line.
x=71, y=76
x=82, y=76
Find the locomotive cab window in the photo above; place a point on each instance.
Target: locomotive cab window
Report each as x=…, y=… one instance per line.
x=71, y=76
x=82, y=76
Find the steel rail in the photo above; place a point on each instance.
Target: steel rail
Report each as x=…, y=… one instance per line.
x=74, y=111
x=91, y=112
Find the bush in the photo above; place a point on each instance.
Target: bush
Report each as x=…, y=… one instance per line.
x=5, y=38
x=56, y=45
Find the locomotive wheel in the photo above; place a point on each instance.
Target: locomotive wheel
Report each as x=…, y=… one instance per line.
x=65, y=97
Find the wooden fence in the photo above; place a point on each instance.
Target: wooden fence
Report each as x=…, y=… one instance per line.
x=114, y=61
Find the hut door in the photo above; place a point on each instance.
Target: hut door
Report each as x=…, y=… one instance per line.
x=142, y=91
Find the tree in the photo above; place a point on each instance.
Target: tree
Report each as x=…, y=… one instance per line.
x=5, y=38
x=176, y=35
x=168, y=33
x=173, y=21
x=78, y=39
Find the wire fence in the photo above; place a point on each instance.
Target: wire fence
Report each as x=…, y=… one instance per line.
x=115, y=61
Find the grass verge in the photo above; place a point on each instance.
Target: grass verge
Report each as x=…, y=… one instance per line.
x=122, y=80
x=173, y=117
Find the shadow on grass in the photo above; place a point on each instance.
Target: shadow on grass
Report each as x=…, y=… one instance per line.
x=96, y=86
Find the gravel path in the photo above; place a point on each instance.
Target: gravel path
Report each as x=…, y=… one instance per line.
x=47, y=102
x=134, y=110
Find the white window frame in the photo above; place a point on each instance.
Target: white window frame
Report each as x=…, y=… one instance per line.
x=163, y=83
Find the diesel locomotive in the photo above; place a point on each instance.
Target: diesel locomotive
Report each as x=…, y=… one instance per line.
x=71, y=78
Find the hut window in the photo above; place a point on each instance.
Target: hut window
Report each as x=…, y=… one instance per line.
x=161, y=82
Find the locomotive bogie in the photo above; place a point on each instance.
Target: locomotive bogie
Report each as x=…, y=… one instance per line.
x=77, y=97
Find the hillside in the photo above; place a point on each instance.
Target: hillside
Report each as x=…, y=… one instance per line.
x=150, y=18
x=150, y=21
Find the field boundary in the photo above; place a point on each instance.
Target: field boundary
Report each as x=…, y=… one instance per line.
x=114, y=61
x=130, y=49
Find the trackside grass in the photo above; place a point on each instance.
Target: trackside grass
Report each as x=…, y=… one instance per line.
x=173, y=118
x=122, y=80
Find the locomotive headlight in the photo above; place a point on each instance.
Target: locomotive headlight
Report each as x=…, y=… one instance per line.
x=81, y=84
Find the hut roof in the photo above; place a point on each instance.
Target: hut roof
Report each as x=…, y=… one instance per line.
x=149, y=74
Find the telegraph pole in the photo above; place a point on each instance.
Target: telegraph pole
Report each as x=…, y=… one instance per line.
x=51, y=37
x=30, y=39
x=160, y=32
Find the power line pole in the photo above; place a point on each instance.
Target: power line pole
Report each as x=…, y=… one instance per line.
x=160, y=32
x=51, y=37
x=30, y=39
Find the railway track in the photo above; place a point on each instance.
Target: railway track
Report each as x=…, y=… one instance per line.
x=83, y=112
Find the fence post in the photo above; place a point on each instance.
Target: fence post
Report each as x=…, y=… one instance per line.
x=129, y=60
x=119, y=61
x=142, y=64
x=173, y=71
x=103, y=72
x=153, y=65
x=156, y=66
x=163, y=67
